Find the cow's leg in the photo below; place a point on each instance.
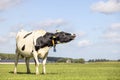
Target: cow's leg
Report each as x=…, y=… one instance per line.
x=36, y=62
x=27, y=64
x=16, y=62
x=43, y=64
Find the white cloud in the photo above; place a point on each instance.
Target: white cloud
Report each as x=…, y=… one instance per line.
x=81, y=34
x=47, y=25
x=116, y=40
x=84, y=43
x=12, y=34
x=50, y=23
x=5, y=4
x=7, y=38
x=116, y=51
x=3, y=39
x=2, y=19
x=115, y=26
x=110, y=6
x=112, y=33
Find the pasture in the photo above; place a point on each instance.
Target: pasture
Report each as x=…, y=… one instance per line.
x=63, y=71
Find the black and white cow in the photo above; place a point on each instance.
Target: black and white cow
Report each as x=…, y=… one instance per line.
x=37, y=44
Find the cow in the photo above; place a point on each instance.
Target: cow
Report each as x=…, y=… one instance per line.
x=37, y=44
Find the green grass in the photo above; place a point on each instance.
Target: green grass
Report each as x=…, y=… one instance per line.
x=61, y=71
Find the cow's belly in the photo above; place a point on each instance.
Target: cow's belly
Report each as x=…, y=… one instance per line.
x=43, y=52
x=26, y=54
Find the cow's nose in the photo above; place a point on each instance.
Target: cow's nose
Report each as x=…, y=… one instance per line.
x=74, y=35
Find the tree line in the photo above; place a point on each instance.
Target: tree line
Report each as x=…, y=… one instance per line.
x=70, y=60
x=102, y=60
x=4, y=56
x=98, y=60
x=11, y=57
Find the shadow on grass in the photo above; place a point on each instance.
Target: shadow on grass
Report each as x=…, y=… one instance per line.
x=52, y=73
x=11, y=72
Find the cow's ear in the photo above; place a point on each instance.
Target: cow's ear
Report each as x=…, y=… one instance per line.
x=53, y=37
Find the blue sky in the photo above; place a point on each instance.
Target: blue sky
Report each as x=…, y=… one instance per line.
x=95, y=22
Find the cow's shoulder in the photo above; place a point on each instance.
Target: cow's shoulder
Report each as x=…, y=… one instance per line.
x=38, y=33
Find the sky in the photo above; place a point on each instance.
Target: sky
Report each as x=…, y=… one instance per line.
x=96, y=24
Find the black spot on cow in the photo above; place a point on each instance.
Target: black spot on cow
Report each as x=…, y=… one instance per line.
x=32, y=51
x=44, y=41
x=27, y=34
x=23, y=48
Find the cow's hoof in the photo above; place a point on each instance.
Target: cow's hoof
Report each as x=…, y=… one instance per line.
x=43, y=73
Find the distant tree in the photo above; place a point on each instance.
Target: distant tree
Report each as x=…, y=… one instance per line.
x=98, y=60
x=5, y=56
x=118, y=60
x=101, y=60
x=81, y=60
x=62, y=60
x=91, y=60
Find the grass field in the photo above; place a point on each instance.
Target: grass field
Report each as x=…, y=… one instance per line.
x=61, y=71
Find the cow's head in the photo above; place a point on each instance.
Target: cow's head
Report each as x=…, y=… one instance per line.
x=64, y=37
